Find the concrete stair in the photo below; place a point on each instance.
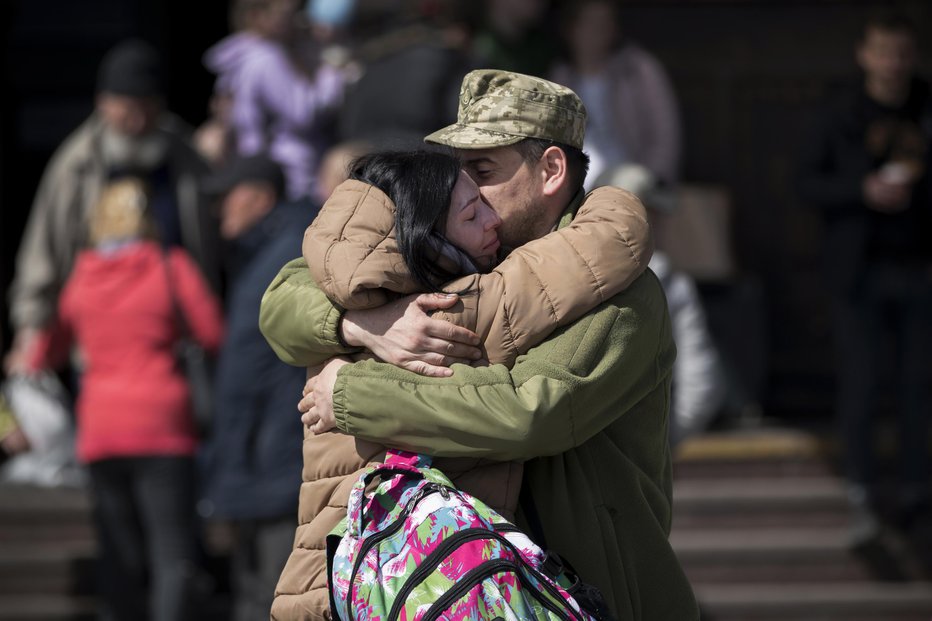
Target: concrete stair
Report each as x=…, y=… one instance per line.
x=761, y=528
x=47, y=554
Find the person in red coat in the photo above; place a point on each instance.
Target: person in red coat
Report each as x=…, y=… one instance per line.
x=135, y=427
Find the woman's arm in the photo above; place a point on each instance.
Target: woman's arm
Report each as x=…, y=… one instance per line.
x=197, y=302
x=352, y=255
x=554, y=280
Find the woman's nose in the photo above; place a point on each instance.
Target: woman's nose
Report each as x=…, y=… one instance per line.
x=494, y=221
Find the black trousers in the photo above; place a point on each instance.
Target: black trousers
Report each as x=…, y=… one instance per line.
x=891, y=314
x=147, y=532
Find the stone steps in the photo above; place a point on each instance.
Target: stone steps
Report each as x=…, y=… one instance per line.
x=843, y=601
x=760, y=524
x=60, y=567
x=781, y=555
x=46, y=607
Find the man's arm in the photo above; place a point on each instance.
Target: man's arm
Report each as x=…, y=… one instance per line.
x=558, y=396
x=38, y=280
x=305, y=328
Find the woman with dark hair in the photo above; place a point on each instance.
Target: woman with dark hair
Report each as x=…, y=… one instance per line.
x=438, y=211
x=406, y=222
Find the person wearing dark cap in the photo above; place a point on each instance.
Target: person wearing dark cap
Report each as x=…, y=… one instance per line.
x=587, y=410
x=252, y=458
x=129, y=133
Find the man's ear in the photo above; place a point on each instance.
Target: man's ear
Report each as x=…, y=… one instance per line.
x=554, y=171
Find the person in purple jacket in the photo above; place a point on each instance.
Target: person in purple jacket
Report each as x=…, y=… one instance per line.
x=273, y=94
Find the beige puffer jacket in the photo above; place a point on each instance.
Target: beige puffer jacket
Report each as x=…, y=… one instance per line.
x=352, y=254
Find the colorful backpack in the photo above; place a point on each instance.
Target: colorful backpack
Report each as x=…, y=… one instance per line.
x=419, y=549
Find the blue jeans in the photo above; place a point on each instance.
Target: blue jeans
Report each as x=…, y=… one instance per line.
x=147, y=532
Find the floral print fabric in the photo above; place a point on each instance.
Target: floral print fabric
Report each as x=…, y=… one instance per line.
x=418, y=549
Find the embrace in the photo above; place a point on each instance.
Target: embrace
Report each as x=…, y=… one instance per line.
x=478, y=307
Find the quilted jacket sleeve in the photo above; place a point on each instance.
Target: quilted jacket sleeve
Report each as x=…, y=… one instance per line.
x=352, y=256
x=552, y=281
x=351, y=251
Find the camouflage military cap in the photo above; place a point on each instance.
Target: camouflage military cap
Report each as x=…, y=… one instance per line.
x=500, y=108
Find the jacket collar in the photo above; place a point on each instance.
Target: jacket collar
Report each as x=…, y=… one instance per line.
x=570, y=212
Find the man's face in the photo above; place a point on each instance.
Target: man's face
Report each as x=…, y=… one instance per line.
x=243, y=207
x=888, y=57
x=129, y=116
x=592, y=35
x=513, y=188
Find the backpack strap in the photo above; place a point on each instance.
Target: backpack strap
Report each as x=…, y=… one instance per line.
x=358, y=498
x=416, y=460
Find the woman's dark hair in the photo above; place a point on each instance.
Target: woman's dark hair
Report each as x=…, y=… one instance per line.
x=420, y=183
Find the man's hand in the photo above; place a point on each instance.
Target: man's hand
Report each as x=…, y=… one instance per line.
x=403, y=334
x=886, y=196
x=316, y=406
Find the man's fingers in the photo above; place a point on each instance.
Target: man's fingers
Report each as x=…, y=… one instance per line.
x=435, y=301
x=454, y=350
x=446, y=331
x=309, y=418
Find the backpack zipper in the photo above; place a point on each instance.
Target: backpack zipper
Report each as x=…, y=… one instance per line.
x=477, y=574
x=431, y=562
x=390, y=530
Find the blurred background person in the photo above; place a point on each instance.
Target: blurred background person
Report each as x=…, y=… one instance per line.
x=334, y=168
x=130, y=132
x=700, y=383
x=252, y=461
x=633, y=111
x=408, y=53
x=274, y=92
x=514, y=35
x=866, y=169
x=136, y=431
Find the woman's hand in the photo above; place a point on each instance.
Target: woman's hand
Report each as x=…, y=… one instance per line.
x=316, y=406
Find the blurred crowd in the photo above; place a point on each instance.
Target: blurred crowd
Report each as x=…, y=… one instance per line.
x=146, y=233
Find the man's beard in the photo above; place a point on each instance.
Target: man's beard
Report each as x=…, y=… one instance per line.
x=134, y=153
x=520, y=228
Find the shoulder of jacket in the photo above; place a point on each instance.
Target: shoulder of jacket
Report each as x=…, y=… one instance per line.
x=79, y=149
x=611, y=195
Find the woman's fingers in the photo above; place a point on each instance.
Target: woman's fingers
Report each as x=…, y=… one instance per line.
x=422, y=368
